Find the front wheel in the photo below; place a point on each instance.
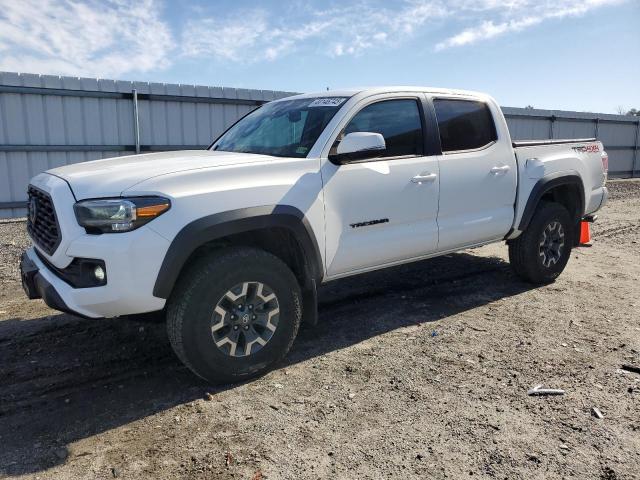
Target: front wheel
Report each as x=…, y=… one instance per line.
x=234, y=314
x=542, y=251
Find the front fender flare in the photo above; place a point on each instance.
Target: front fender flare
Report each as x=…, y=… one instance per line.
x=219, y=225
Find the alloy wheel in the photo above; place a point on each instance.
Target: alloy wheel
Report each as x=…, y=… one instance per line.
x=552, y=244
x=245, y=319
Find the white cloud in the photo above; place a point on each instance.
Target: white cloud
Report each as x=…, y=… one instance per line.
x=91, y=38
x=487, y=30
x=108, y=38
x=222, y=39
x=248, y=35
x=518, y=15
x=254, y=35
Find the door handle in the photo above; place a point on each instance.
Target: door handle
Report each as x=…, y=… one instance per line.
x=424, y=177
x=500, y=170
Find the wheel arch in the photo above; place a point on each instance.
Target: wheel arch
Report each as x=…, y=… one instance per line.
x=565, y=189
x=272, y=227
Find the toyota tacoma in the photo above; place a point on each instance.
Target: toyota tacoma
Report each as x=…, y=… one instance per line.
x=230, y=243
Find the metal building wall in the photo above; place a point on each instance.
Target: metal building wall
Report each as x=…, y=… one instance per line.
x=48, y=121
x=618, y=133
x=57, y=121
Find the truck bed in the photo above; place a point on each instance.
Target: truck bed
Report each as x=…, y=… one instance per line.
x=535, y=143
x=540, y=161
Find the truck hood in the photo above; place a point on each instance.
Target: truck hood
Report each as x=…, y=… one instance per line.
x=111, y=176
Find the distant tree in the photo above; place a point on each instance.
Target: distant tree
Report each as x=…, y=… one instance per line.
x=622, y=110
x=529, y=107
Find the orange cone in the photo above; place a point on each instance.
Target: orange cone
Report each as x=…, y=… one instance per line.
x=585, y=233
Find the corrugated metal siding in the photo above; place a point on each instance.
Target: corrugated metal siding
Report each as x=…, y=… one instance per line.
x=54, y=120
x=618, y=133
x=39, y=131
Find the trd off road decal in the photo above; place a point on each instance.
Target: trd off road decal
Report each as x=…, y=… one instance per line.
x=369, y=222
x=587, y=149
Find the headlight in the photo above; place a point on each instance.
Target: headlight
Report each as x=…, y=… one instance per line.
x=112, y=215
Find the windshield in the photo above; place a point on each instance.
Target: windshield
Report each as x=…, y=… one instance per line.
x=287, y=128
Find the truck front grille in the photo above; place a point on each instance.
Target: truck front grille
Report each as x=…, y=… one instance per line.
x=42, y=223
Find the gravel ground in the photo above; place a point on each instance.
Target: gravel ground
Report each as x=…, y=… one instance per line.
x=419, y=371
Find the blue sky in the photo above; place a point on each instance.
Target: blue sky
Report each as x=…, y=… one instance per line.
x=566, y=54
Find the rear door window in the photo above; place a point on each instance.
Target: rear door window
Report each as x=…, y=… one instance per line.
x=464, y=124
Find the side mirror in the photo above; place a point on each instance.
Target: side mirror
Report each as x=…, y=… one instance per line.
x=359, y=146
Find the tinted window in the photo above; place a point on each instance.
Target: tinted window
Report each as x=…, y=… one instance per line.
x=286, y=128
x=398, y=121
x=464, y=124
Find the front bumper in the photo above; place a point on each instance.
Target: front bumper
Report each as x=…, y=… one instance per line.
x=132, y=263
x=36, y=286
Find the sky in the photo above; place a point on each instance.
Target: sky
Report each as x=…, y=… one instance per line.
x=581, y=55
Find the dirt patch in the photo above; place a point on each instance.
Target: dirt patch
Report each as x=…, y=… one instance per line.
x=419, y=371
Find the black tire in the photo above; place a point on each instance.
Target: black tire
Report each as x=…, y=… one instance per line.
x=201, y=288
x=526, y=254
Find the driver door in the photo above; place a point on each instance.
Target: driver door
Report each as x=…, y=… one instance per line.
x=382, y=210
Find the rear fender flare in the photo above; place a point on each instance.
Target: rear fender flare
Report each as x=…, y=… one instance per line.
x=544, y=185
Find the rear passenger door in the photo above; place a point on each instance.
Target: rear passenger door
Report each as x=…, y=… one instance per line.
x=477, y=173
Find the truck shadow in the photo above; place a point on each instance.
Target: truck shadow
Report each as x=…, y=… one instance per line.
x=63, y=378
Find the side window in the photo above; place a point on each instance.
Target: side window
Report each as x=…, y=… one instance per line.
x=398, y=121
x=464, y=124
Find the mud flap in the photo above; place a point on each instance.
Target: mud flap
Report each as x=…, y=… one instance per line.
x=310, y=304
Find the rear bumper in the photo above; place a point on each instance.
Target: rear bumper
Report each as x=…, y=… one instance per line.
x=605, y=197
x=597, y=200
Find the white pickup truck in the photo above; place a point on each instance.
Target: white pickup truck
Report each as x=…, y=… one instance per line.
x=231, y=242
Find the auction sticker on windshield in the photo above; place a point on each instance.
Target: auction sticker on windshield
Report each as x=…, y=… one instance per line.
x=327, y=102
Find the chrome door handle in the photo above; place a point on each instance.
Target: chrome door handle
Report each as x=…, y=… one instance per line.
x=424, y=177
x=500, y=170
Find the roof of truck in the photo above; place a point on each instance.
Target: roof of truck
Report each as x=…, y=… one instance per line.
x=390, y=89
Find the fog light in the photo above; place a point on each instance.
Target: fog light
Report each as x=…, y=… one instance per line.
x=98, y=272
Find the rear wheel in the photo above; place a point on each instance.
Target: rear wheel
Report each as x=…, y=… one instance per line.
x=542, y=251
x=234, y=314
